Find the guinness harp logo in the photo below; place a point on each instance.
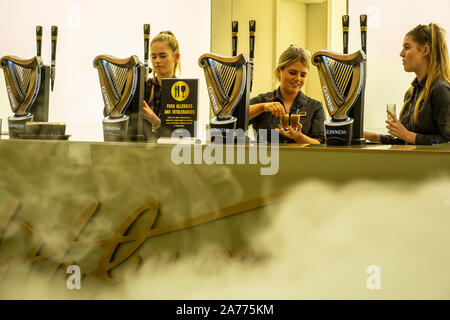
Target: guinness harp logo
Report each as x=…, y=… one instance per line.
x=345, y=18
x=363, y=17
x=180, y=91
x=234, y=23
x=342, y=79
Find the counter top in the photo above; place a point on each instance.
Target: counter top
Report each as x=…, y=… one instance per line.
x=370, y=147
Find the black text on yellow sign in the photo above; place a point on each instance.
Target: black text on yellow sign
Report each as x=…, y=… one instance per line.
x=171, y=106
x=180, y=90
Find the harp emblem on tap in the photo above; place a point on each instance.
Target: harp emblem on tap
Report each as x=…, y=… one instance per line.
x=228, y=89
x=121, y=83
x=342, y=77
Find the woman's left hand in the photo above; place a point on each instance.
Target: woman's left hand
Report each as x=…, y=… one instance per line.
x=150, y=116
x=396, y=129
x=295, y=135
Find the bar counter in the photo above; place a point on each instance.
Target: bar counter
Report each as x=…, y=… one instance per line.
x=116, y=208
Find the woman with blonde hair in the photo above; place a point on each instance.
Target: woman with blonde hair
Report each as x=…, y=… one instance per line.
x=267, y=109
x=425, y=116
x=165, y=58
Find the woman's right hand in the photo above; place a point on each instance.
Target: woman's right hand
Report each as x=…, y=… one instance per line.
x=371, y=136
x=275, y=108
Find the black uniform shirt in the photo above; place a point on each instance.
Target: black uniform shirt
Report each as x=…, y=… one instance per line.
x=312, y=115
x=434, y=117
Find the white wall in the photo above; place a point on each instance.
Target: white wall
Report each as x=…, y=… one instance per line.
x=388, y=22
x=317, y=39
x=279, y=23
x=336, y=8
x=89, y=28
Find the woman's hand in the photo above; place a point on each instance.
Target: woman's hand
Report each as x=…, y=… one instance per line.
x=275, y=108
x=291, y=133
x=396, y=129
x=297, y=135
x=150, y=116
x=371, y=136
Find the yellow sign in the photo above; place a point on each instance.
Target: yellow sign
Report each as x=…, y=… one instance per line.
x=180, y=90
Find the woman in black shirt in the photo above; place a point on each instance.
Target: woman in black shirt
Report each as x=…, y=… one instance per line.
x=165, y=58
x=425, y=116
x=266, y=110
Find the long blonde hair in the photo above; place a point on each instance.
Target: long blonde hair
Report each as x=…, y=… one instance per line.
x=439, y=66
x=172, y=41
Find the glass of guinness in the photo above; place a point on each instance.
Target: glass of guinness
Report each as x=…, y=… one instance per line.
x=285, y=122
x=295, y=121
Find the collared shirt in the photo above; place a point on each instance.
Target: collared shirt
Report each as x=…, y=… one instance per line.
x=312, y=115
x=434, y=117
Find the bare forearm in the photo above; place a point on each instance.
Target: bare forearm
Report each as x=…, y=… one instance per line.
x=372, y=136
x=410, y=137
x=255, y=110
x=150, y=116
x=153, y=119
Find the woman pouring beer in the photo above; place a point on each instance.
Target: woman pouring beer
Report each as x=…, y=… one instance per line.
x=266, y=110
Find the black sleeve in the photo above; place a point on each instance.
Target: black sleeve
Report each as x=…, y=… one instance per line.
x=440, y=103
x=317, y=123
x=388, y=139
x=256, y=100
